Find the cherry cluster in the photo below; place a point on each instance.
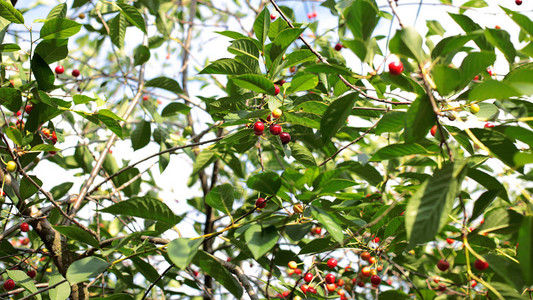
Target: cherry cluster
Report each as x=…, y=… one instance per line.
x=275, y=129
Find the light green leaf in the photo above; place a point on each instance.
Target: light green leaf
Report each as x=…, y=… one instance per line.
x=24, y=280
x=59, y=11
x=302, y=82
x=255, y=83
x=62, y=291
x=181, y=251
x=525, y=249
x=398, y=150
x=59, y=28
x=212, y=266
x=262, y=25
x=117, y=30
x=86, y=268
x=132, y=15
x=144, y=207
x=226, y=66
x=221, y=198
x=10, y=13
x=302, y=155
x=328, y=222
x=260, y=240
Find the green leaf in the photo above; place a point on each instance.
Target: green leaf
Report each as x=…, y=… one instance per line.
x=408, y=42
x=284, y=39
x=52, y=50
x=27, y=189
x=165, y=83
x=117, y=30
x=474, y=64
x=203, y=159
x=255, y=83
x=506, y=291
x=85, y=268
x=487, y=111
x=9, y=47
x=499, y=144
x=262, y=25
x=227, y=66
x=419, y=119
x=398, y=150
x=446, y=78
x=493, y=89
x=82, y=99
x=42, y=72
x=140, y=136
x=175, y=108
x=260, y=240
x=141, y=55
x=59, y=11
x=298, y=57
x=470, y=26
x=427, y=210
x=501, y=39
x=488, y=181
x=501, y=220
x=10, y=13
x=329, y=223
x=59, y=28
x=212, y=266
x=525, y=249
x=78, y=234
x=221, y=198
x=395, y=295
x=181, y=251
x=328, y=69
x=245, y=47
x=24, y=280
x=132, y=15
x=302, y=82
x=267, y=182
x=392, y=121
x=144, y=207
x=335, y=116
x=302, y=155
x=62, y=291
x=362, y=17
x=450, y=44
x=11, y=98
x=110, y=120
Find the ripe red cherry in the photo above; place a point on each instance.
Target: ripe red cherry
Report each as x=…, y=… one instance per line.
x=31, y=273
x=489, y=125
x=473, y=283
x=331, y=287
x=443, y=265
x=75, y=72
x=481, y=264
x=376, y=240
x=449, y=241
x=365, y=256
x=332, y=263
x=60, y=70
x=28, y=108
x=310, y=16
x=518, y=2
x=360, y=283
x=304, y=288
x=372, y=260
x=275, y=129
x=366, y=271
x=395, y=68
x=311, y=290
x=19, y=113
x=259, y=127
x=9, y=284
x=308, y=277
x=285, y=137
x=442, y=287
x=338, y=46
x=25, y=241
x=272, y=17
x=297, y=271
x=276, y=89
x=330, y=278
x=375, y=279
x=260, y=203
x=433, y=130
x=24, y=227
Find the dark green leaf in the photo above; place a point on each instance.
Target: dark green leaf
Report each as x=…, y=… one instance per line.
x=260, y=240
x=397, y=150
x=144, y=207
x=42, y=72
x=255, y=83
x=525, y=249
x=165, y=83
x=132, y=15
x=501, y=40
x=141, y=55
x=302, y=155
x=11, y=98
x=226, y=66
x=27, y=189
x=10, y=13
x=78, y=234
x=262, y=25
x=419, y=119
x=52, y=50
x=175, y=108
x=117, y=30
x=221, y=198
x=59, y=11
x=335, y=116
x=362, y=17
x=267, y=182
x=140, y=136
x=212, y=266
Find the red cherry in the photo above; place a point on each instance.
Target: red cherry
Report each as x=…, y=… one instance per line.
x=330, y=278
x=366, y=271
x=19, y=113
x=276, y=89
x=332, y=263
x=297, y=271
x=476, y=77
x=331, y=287
x=31, y=273
x=28, y=108
x=25, y=241
x=285, y=294
x=260, y=203
x=311, y=290
x=340, y=282
x=310, y=15
x=9, y=284
x=450, y=241
x=443, y=265
x=395, y=68
x=338, y=46
x=497, y=27
x=372, y=260
x=145, y=98
x=481, y=264
x=489, y=70
x=376, y=240
x=473, y=283
x=75, y=72
x=433, y=130
x=375, y=279
x=275, y=129
x=308, y=277
x=360, y=283
x=24, y=227
x=518, y=2
x=60, y=70
x=315, y=14
x=259, y=127
x=272, y=17
x=304, y=288
x=281, y=82
x=285, y=137
x=489, y=125
x=442, y=287
x=365, y=256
